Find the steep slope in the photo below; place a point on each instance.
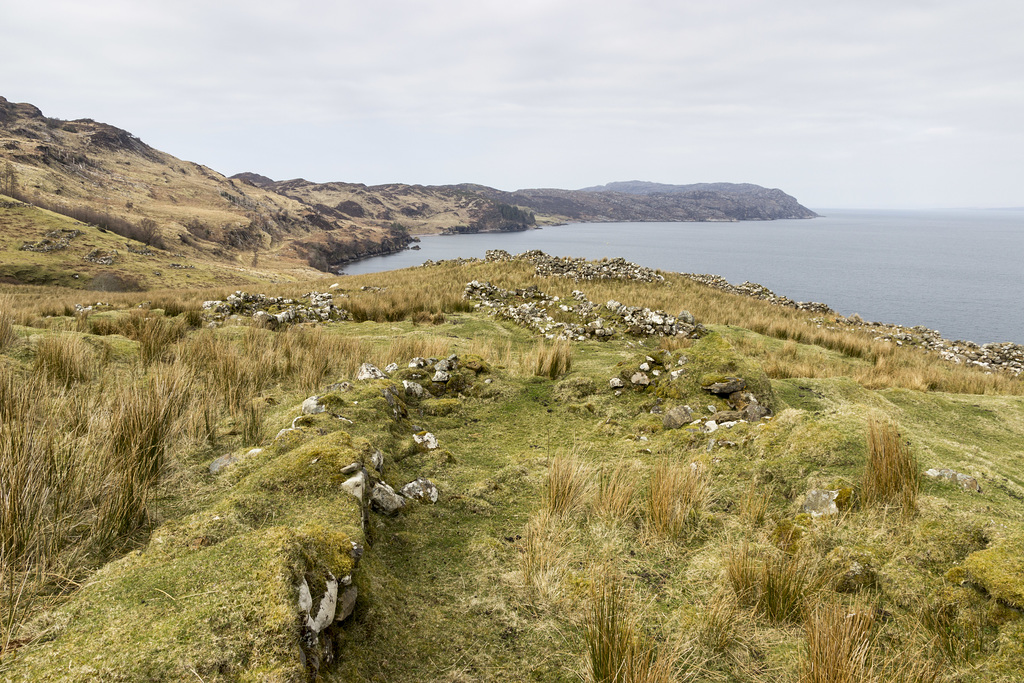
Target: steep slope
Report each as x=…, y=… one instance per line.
x=420, y=209
x=103, y=175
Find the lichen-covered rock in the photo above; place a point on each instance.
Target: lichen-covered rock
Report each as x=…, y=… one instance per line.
x=676, y=417
x=820, y=503
x=414, y=389
x=964, y=481
x=640, y=379
x=368, y=371
x=726, y=386
x=312, y=406
x=421, y=489
x=383, y=499
x=425, y=440
x=615, y=383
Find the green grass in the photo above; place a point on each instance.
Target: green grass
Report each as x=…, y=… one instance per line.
x=543, y=479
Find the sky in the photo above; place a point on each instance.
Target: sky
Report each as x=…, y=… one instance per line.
x=849, y=104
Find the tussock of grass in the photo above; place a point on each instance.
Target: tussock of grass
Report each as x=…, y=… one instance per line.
x=616, y=492
x=678, y=498
x=551, y=360
x=568, y=484
x=839, y=639
x=776, y=586
x=892, y=475
x=616, y=649
x=64, y=359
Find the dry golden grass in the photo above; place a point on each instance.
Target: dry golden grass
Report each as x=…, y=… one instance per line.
x=839, y=640
x=568, y=484
x=616, y=650
x=64, y=359
x=544, y=557
x=892, y=475
x=774, y=586
x=616, y=492
x=551, y=360
x=8, y=337
x=678, y=499
x=754, y=504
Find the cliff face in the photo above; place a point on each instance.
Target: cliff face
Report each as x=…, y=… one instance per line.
x=634, y=201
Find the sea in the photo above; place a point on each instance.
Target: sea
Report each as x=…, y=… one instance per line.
x=960, y=272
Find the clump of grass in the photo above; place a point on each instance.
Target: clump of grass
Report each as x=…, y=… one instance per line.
x=552, y=360
x=64, y=359
x=775, y=587
x=543, y=559
x=616, y=650
x=839, y=639
x=568, y=484
x=754, y=504
x=252, y=422
x=8, y=337
x=616, y=492
x=678, y=499
x=142, y=420
x=892, y=475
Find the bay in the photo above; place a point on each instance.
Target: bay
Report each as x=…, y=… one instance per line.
x=960, y=272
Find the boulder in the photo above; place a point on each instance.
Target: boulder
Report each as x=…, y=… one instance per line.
x=677, y=417
x=421, y=489
x=312, y=406
x=615, y=383
x=390, y=367
x=727, y=386
x=640, y=379
x=753, y=412
x=355, y=486
x=369, y=371
x=441, y=376
x=383, y=499
x=414, y=389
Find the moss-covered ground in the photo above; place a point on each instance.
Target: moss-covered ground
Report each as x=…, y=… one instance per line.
x=490, y=584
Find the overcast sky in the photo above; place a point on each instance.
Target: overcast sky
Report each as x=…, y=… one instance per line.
x=853, y=103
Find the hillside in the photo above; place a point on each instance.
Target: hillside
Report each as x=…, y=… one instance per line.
x=102, y=175
x=250, y=227
x=513, y=469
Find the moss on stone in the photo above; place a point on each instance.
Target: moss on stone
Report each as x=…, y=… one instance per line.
x=1000, y=570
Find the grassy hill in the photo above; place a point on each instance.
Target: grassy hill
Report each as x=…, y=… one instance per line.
x=586, y=524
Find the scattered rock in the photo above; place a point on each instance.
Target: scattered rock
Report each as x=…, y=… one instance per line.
x=425, y=440
x=383, y=499
x=615, y=383
x=966, y=482
x=226, y=460
x=368, y=371
x=727, y=386
x=820, y=503
x=420, y=489
x=677, y=417
x=312, y=406
x=640, y=379
x=415, y=390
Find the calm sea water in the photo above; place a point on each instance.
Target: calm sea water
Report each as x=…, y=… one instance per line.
x=957, y=271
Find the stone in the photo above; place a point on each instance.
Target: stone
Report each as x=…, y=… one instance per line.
x=264, y=319
x=964, y=481
x=677, y=417
x=727, y=386
x=346, y=604
x=418, y=362
x=355, y=486
x=685, y=317
x=415, y=390
x=328, y=604
x=421, y=489
x=441, y=376
x=390, y=367
x=369, y=371
x=312, y=406
x=640, y=379
x=377, y=461
x=820, y=503
x=615, y=383
x=710, y=426
x=351, y=468
x=721, y=416
x=230, y=459
x=753, y=412
x=645, y=367
x=425, y=440
x=383, y=499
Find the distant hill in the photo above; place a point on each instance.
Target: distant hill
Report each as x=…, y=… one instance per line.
x=101, y=175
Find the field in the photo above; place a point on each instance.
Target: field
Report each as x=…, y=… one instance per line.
x=579, y=533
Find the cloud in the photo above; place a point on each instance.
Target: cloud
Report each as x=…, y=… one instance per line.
x=809, y=97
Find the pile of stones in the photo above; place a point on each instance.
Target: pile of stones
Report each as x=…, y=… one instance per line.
x=578, y=268
x=529, y=307
x=55, y=240
x=756, y=291
x=272, y=311
x=1004, y=357
x=102, y=257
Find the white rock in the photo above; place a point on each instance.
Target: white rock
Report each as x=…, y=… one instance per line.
x=311, y=406
x=710, y=426
x=420, y=489
x=369, y=371
x=426, y=440
x=355, y=486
